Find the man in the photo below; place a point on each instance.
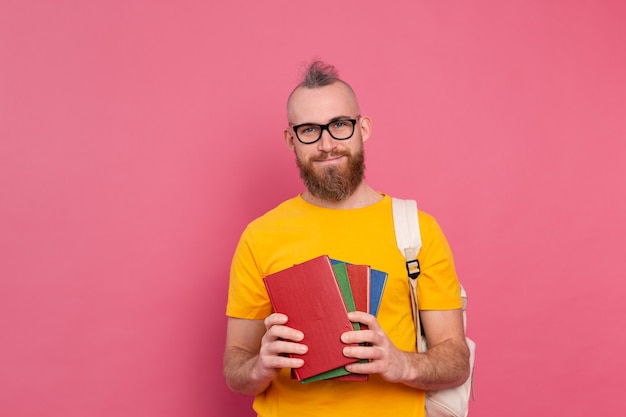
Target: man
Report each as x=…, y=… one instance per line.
x=340, y=215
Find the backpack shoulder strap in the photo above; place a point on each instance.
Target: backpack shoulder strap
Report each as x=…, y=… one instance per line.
x=408, y=237
x=409, y=240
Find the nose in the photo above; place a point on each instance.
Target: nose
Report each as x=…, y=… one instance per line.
x=326, y=142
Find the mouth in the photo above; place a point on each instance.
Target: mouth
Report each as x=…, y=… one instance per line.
x=330, y=158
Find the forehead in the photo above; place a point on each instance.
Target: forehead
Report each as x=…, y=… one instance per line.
x=319, y=105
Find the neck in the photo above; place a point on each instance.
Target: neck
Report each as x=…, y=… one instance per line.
x=363, y=196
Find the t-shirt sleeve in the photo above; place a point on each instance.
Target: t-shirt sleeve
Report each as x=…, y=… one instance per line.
x=438, y=284
x=247, y=296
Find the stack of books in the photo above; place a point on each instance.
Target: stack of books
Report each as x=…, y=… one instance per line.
x=316, y=295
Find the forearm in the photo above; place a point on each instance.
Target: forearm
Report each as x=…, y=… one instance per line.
x=241, y=372
x=445, y=365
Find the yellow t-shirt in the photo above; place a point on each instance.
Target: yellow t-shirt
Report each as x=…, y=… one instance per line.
x=297, y=231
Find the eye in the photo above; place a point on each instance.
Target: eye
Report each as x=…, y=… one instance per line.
x=308, y=129
x=339, y=124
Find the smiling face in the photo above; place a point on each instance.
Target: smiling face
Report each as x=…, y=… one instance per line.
x=331, y=169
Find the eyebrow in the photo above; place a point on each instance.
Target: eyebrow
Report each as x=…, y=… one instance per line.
x=334, y=119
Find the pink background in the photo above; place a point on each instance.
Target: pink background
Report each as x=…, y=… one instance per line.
x=138, y=138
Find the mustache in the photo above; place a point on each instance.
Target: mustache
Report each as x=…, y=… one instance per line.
x=333, y=154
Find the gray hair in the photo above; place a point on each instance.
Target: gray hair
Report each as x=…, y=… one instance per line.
x=319, y=74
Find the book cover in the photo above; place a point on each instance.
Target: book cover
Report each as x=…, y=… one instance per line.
x=359, y=276
x=309, y=294
x=377, y=286
x=343, y=280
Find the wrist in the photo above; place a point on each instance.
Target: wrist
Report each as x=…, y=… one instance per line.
x=411, y=368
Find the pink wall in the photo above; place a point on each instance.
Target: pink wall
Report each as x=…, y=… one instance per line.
x=137, y=138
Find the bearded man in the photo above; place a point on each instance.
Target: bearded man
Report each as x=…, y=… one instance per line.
x=340, y=215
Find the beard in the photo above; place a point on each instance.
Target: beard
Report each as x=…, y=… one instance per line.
x=334, y=183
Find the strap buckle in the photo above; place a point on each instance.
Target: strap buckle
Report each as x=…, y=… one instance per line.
x=413, y=268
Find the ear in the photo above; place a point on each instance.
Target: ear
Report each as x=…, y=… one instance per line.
x=290, y=139
x=365, y=124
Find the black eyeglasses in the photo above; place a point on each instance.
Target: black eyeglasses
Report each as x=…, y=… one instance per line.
x=340, y=129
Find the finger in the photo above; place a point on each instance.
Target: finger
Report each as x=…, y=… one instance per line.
x=280, y=354
x=358, y=336
x=365, y=368
x=281, y=347
x=276, y=329
x=362, y=317
x=279, y=362
x=284, y=332
x=275, y=319
x=362, y=352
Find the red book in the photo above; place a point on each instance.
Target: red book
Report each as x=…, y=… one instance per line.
x=309, y=295
x=359, y=276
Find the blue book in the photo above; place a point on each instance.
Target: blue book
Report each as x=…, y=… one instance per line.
x=377, y=286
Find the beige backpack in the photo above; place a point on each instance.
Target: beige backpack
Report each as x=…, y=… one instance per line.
x=451, y=402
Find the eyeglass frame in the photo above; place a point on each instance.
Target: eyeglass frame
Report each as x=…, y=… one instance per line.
x=326, y=128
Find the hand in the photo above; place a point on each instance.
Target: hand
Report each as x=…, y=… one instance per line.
x=384, y=358
x=278, y=340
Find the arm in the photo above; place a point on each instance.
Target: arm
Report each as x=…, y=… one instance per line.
x=444, y=365
x=253, y=353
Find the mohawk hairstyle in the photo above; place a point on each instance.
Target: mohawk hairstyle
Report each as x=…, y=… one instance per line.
x=319, y=74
